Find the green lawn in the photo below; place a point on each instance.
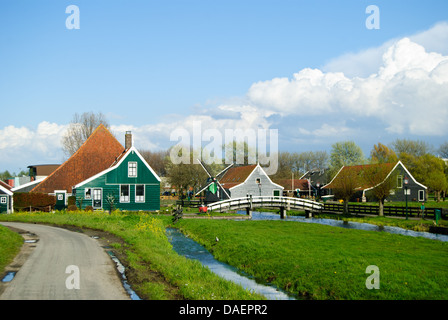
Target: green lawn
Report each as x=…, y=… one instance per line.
x=158, y=272
x=10, y=244
x=322, y=262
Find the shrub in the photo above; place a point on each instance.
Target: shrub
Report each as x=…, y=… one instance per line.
x=89, y=208
x=72, y=207
x=71, y=201
x=35, y=201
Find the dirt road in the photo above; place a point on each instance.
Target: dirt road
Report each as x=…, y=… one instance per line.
x=64, y=265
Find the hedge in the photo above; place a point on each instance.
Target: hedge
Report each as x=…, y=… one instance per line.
x=33, y=201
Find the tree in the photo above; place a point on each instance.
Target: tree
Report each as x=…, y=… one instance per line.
x=376, y=175
x=430, y=170
x=443, y=150
x=185, y=175
x=157, y=160
x=80, y=128
x=344, y=186
x=416, y=148
x=345, y=153
x=382, y=154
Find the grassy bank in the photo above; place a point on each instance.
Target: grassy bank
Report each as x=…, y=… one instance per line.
x=10, y=244
x=157, y=271
x=323, y=262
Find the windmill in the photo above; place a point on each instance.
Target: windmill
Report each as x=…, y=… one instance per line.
x=214, y=190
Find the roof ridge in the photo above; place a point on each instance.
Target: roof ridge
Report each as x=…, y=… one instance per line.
x=61, y=167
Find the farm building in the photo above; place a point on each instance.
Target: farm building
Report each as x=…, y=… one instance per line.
x=97, y=153
x=403, y=182
x=249, y=180
x=294, y=187
x=129, y=184
x=99, y=167
x=6, y=198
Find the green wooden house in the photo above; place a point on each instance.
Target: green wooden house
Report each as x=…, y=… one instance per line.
x=6, y=198
x=129, y=184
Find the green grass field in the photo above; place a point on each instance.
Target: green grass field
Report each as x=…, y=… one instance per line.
x=323, y=262
x=310, y=260
x=10, y=243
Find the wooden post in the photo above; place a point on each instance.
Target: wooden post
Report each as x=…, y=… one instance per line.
x=282, y=212
x=249, y=212
x=308, y=214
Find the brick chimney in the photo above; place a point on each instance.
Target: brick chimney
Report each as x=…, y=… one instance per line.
x=128, y=140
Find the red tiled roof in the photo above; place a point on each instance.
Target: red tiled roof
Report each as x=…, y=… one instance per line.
x=97, y=153
x=287, y=184
x=355, y=171
x=5, y=185
x=236, y=175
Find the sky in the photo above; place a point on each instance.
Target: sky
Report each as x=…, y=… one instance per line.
x=312, y=70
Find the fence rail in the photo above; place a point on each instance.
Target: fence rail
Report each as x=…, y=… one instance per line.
x=388, y=210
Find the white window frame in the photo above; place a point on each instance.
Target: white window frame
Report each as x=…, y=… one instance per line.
x=140, y=199
x=125, y=199
x=3, y=200
x=132, y=170
x=400, y=182
x=90, y=196
x=423, y=197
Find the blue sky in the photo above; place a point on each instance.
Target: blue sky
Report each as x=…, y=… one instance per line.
x=152, y=66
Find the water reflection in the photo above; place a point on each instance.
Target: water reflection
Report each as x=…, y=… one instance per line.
x=191, y=249
x=349, y=225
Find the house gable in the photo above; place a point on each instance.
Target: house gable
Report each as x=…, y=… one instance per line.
x=118, y=173
x=250, y=180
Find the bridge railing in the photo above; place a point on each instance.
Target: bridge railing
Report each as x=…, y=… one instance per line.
x=265, y=201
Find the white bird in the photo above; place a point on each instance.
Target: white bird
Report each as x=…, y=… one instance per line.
x=216, y=239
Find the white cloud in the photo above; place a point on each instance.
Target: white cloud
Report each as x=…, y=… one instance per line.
x=22, y=146
x=368, y=61
x=408, y=92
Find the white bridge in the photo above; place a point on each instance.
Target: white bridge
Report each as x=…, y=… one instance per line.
x=283, y=203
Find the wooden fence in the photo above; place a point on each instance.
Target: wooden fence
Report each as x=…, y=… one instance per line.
x=388, y=210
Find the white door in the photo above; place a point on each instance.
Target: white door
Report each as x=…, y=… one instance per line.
x=97, y=198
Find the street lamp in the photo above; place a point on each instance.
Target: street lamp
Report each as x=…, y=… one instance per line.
x=406, y=181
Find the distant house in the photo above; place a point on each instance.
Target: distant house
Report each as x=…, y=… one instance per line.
x=130, y=184
x=6, y=198
x=41, y=171
x=249, y=180
x=97, y=153
x=294, y=187
x=415, y=190
x=27, y=187
x=318, y=178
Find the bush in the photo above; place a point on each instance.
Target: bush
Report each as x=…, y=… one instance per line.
x=71, y=201
x=89, y=208
x=35, y=201
x=72, y=208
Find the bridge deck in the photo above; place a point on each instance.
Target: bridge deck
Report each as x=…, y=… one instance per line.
x=266, y=202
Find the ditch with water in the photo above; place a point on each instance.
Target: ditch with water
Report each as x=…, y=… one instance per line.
x=191, y=249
